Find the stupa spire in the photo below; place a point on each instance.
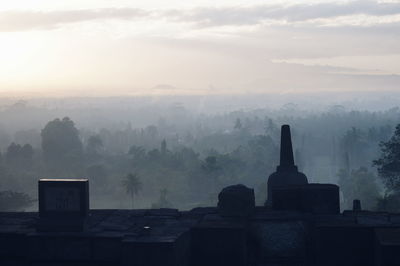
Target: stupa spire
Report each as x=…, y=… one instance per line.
x=286, y=159
x=286, y=173
x=286, y=147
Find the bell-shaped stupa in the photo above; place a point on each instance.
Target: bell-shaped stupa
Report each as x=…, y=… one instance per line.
x=286, y=173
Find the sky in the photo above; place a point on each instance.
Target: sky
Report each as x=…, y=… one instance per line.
x=118, y=47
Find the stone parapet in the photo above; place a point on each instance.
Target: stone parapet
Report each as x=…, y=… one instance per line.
x=203, y=237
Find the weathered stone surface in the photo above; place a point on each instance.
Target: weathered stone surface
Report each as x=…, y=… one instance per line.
x=395, y=219
x=64, y=263
x=387, y=247
x=56, y=247
x=320, y=198
x=216, y=243
x=107, y=247
x=199, y=212
x=13, y=262
x=237, y=200
x=156, y=250
x=338, y=220
x=13, y=245
x=343, y=245
x=279, y=239
x=63, y=205
x=356, y=205
x=163, y=212
x=309, y=198
x=265, y=238
x=372, y=220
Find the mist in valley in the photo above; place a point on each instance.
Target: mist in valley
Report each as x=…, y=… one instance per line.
x=180, y=151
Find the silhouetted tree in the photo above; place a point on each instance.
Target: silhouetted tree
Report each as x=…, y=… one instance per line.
x=389, y=162
x=389, y=203
x=13, y=155
x=14, y=201
x=61, y=145
x=94, y=145
x=132, y=184
x=238, y=124
x=210, y=164
x=164, y=147
x=359, y=184
x=152, y=132
x=162, y=202
x=354, y=144
x=97, y=174
x=137, y=153
x=27, y=156
x=19, y=157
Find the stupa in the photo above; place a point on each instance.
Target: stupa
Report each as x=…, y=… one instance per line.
x=286, y=173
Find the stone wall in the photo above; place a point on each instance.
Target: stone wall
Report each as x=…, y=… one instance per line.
x=203, y=237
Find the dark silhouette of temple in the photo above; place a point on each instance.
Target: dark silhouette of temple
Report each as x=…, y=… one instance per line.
x=286, y=173
x=300, y=224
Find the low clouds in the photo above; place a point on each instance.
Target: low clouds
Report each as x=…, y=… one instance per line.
x=29, y=20
x=204, y=17
x=292, y=14
x=231, y=47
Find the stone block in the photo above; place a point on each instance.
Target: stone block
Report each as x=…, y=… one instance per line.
x=370, y=219
x=59, y=247
x=311, y=198
x=279, y=240
x=219, y=243
x=63, y=263
x=107, y=247
x=343, y=245
x=13, y=262
x=387, y=246
x=63, y=204
x=237, y=200
x=156, y=250
x=287, y=198
x=163, y=212
x=13, y=246
x=394, y=219
x=320, y=199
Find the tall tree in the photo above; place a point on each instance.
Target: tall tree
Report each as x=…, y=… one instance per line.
x=389, y=162
x=13, y=155
x=163, y=147
x=238, y=124
x=14, y=201
x=26, y=154
x=61, y=145
x=19, y=157
x=163, y=202
x=132, y=185
x=94, y=145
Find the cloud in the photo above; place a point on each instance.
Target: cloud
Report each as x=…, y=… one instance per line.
x=332, y=13
x=291, y=14
x=29, y=20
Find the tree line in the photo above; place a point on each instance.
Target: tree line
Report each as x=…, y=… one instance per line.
x=158, y=167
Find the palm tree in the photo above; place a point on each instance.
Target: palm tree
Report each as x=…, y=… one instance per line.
x=132, y=184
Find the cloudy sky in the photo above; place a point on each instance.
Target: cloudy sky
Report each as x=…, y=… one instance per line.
x=105, y=47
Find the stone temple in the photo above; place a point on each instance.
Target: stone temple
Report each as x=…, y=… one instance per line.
x=286, y=173
x=300, y=225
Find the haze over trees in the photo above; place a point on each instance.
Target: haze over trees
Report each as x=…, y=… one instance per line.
x=182, y=158
x=133, y=186
x=388, y=165
x=61, y=146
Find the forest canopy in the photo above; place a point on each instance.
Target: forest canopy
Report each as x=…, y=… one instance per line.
x=183, y=159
